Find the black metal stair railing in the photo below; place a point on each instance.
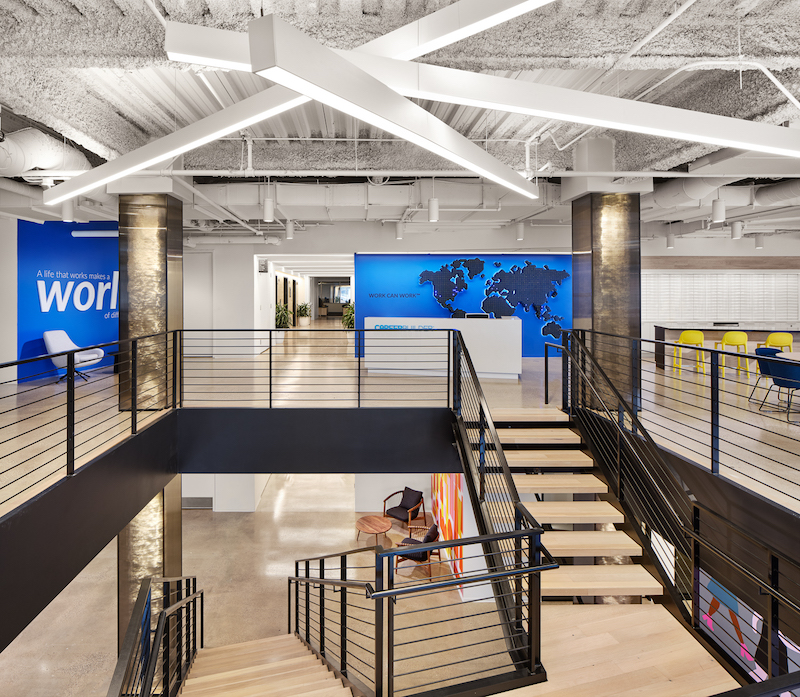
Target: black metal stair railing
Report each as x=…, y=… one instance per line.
x=428, y=633
x=739, y=595
x=162, y=640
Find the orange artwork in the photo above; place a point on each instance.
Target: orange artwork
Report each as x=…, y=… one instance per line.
x=448, y=514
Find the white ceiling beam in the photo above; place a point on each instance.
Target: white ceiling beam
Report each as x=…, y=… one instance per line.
x=285, y=55
x=237, y=116
x=446, y=26
x=544, y=101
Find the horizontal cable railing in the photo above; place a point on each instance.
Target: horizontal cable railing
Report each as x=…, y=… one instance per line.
x=741, y=595
x=426, y=620
x=163, y=637
x=316, y=368
x=716, y=408
x=55, y=419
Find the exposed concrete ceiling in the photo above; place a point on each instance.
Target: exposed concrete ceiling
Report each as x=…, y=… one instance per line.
x=96, y=72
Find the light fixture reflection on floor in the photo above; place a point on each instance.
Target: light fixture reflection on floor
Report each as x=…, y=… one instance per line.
x=736, y=230
x=520, y=232
x=290, y=229
x=433, y=210
x=399, y=227
x=759, y=241
x=718, y=211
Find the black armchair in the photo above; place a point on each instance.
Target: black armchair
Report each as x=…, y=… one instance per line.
x=419, y=557
x=409, y=506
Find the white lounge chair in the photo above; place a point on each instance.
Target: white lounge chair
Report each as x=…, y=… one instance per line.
x=58, y=341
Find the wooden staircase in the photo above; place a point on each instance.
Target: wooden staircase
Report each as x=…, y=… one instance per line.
x=544, y=456
x=280, y=666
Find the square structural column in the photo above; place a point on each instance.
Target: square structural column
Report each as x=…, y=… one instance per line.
x=606, y=282
x=150, y=295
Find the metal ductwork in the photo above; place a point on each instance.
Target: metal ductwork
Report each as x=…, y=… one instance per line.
x=679, y=192
x=32, y=192
x=222, y=239
x=29, y=149
x=778, y=193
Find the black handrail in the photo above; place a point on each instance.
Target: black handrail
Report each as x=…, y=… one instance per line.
x=357, y=550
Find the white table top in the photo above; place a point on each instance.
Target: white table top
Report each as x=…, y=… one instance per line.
x=789, y=355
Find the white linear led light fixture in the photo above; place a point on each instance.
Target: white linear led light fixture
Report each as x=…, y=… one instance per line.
x=257, y=108
x=451, y=86
x=216, y=48
x=736, y=230
x=288, y=57
x=448, y=25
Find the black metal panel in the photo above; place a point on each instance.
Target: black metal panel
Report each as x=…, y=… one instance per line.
x=243, y=440
x=48, y=540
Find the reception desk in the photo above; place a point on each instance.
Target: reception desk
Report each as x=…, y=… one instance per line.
x=495, y=345
x=757, y=333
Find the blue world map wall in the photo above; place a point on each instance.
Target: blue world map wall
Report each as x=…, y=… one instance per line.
x=537, y=288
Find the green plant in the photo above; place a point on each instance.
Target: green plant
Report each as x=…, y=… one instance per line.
x=304, y=310
x=349, y=316
x=282, y=316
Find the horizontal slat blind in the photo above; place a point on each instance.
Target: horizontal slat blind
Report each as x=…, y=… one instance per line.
x=669, y=297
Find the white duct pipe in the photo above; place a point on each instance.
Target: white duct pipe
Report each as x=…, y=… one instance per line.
x=777, y=193
x=221, y=239
x=32, y=192
x=29, y=149
x=682, y=191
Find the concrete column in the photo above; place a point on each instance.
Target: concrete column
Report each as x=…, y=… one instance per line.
x=606, y=280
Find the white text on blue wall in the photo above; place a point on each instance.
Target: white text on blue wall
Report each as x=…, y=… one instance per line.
x=84, y=295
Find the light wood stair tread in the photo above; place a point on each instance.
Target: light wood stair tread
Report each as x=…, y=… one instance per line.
x=259, y=672
x=506, y=414
x=522, y=436
x=579, y=512
x=316, y=688
x=285, y=686
x=235, y=648
x=590, y=543
x=209, y=667
x=548, y=459
x=611, y=579
x=559, y=484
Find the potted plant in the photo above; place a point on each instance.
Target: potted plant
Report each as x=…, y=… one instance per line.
x=349, y=316
x=304, y=314
x=283, y=316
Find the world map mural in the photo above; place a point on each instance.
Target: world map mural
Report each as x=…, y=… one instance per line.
x=535, y=288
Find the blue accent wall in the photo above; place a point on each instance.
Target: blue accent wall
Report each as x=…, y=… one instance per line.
x=537, y=288
x=65, y=282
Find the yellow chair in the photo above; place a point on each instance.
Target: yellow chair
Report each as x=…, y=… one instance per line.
x=781, y=340
x=737, y=341
x=778, y=340
x=689, y=337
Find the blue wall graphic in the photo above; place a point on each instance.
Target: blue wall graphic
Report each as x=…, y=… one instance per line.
x=65, y=281
x=537, y=288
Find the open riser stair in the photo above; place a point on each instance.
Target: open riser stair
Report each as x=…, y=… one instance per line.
x=554, y=479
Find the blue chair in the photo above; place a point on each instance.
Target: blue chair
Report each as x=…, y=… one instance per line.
x=784, y=374
x=763, y=367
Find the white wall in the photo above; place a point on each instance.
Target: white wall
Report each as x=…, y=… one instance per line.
x=371, y=489
x=8, y=291
x=238, y=492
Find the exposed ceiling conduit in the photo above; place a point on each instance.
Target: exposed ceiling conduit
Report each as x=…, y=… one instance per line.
x=222, y=239
x=30, y=149
x=777, y=193
x=32, y=192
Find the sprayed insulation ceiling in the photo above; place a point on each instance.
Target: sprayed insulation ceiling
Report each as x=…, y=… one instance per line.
x=96, y=71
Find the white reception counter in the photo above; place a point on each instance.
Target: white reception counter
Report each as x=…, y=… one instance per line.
x=495, y=345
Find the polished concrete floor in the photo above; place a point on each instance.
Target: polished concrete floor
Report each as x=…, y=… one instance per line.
x=242, y=561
